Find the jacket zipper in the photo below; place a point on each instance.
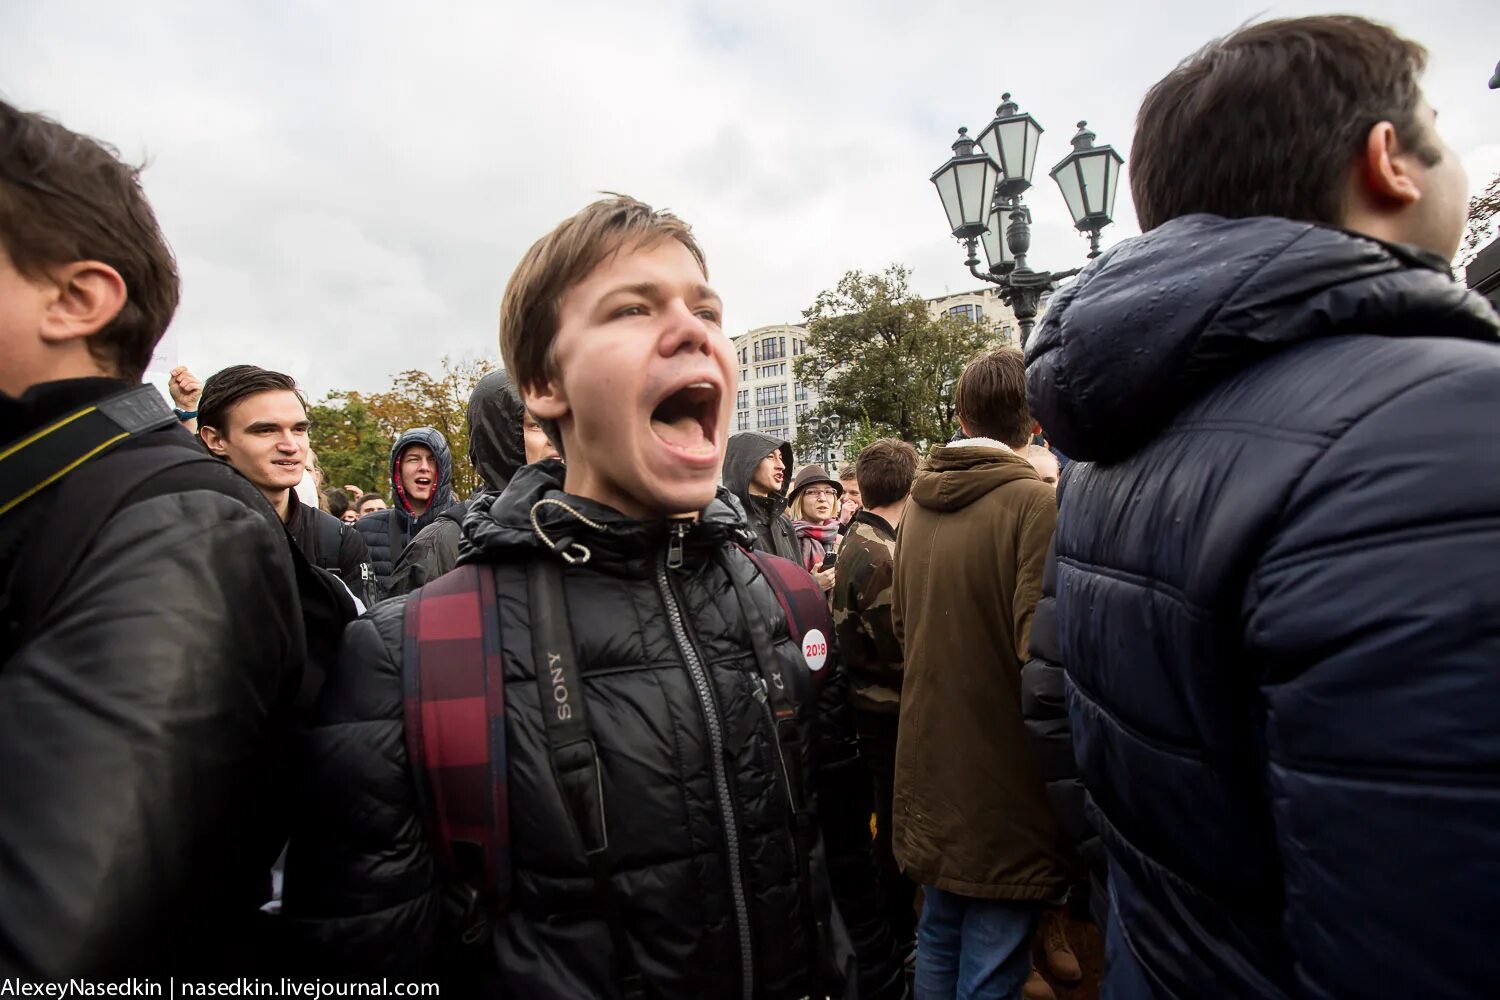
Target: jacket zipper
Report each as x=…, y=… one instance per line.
x=716, y=744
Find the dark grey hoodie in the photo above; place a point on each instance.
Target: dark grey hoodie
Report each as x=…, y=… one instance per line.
x=765, y=515
x=497, y=448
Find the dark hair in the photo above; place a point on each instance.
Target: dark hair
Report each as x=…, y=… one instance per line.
x=846, y=475
x=338, y=502
x=886, y=470
x=990, y=397
x=1268, y=120
x=366, y=498
x=226, y=388
x=563, y=258
x=64, y=198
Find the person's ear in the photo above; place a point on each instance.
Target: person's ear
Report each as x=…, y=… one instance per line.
x=1385, y=168
x=213, y=441
x=88, y=296
x=547, y=400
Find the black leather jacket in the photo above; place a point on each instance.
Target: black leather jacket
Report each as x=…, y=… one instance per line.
x=142, y=722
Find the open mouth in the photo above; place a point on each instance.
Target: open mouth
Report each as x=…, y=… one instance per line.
x=423, y=481
x=687, y=420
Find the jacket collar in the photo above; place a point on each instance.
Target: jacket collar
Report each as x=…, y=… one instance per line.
x=45, y=402
x=534, y=516
x=879, y=524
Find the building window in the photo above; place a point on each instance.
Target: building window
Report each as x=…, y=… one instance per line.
x=965, y=311
x=742, y=399
x=742, y=420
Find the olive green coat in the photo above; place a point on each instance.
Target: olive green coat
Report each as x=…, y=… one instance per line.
x=971, y=809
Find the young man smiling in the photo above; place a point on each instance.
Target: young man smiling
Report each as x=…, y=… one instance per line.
x=257, y=421
x=676, y=849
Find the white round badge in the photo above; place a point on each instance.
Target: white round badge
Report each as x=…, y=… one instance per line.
x=815, y=649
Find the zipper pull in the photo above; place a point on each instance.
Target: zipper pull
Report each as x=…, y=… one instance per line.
x=762, y=692
x=674, y=546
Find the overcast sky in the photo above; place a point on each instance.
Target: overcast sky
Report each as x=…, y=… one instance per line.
x=348, y=185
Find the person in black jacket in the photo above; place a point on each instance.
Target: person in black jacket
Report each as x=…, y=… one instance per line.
x=502, y=438
x=756, y=468
x=718, y=889
x=421, y=490
x=256, y=420
x=1277, y=592
x=142, y=706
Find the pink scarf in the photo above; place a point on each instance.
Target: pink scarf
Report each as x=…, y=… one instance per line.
x=818, y=539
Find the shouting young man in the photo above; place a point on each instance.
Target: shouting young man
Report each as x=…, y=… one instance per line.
x=676, y=786
x=421, y=489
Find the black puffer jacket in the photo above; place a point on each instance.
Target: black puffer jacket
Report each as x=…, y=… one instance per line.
x=497, y=448
x=1278, y=604
x=388, y=532
x=766, y=515
x=143, y=718
x=361, y=881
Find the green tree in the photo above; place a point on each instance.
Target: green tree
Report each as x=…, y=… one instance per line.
x=351, y=445
x=881, y=362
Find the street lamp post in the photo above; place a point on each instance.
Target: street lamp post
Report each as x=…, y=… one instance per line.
x=1088, y=178
x=824, y=432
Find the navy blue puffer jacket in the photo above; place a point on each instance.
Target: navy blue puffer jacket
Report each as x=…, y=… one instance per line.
x=1278, y=605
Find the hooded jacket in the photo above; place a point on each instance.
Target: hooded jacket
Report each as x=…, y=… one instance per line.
x=388, y=532
x=143, y=717
x=1278, y=606
x=971, y=811
x=497, y=448
x=671, y=683
x=766, y=515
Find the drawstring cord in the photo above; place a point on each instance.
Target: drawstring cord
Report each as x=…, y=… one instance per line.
x=573, y=553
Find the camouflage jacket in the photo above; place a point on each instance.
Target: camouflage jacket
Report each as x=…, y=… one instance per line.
x=862, y=614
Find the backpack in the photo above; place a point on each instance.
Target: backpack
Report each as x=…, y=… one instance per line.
x=454, y=712
x=96, y=481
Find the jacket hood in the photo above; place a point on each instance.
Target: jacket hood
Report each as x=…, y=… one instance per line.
x=535, y=515
x=955, y=475
x=442, y=494
x=743, y=454
x=497, y=430
x=1158, y=320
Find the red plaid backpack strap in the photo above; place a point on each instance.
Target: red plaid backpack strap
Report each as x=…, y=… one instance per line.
x=808, y=620
x=454, y=690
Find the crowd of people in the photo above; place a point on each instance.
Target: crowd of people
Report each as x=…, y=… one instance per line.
x=1185, y=647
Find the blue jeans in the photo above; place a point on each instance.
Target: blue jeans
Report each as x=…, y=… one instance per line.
x=973, y=949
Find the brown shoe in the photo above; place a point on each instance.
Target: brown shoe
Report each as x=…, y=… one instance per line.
x=1036, y=988
x=1061, y=961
